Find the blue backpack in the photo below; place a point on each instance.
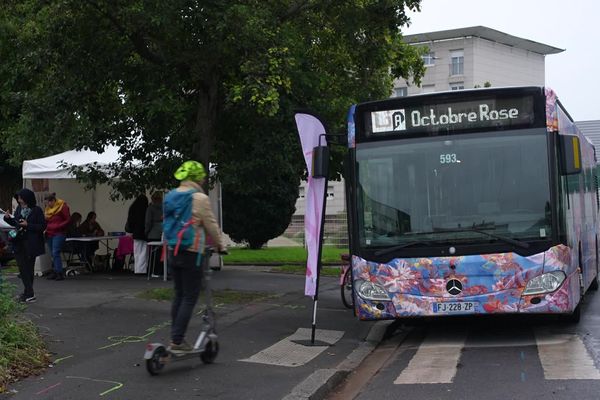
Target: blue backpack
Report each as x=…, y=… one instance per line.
x=178, y=229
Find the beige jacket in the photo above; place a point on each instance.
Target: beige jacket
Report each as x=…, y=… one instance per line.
x=204, y=219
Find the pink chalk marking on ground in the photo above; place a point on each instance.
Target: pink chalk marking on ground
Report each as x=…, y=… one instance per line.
x=48, y=388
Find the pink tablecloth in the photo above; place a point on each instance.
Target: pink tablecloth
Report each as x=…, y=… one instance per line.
x=125, y=246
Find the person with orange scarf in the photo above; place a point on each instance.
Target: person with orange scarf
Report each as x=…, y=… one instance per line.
x=58, y=218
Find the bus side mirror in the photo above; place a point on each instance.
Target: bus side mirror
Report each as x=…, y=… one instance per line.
x=570, y=154
x=320, y=162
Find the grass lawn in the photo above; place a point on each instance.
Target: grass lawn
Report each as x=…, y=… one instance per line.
x=226, y=296
x=10, y=269
x=301, y=270
x=280, y=255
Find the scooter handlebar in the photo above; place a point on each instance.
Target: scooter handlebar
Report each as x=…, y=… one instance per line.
x=209, y=250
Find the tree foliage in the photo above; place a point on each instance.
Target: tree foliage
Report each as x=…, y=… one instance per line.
x=160, y=79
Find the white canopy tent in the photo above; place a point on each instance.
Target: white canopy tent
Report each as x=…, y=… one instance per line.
x=50, y=167
x=51, y=175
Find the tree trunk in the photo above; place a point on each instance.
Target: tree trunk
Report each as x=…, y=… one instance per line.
x=206, y=119
x=11, y=184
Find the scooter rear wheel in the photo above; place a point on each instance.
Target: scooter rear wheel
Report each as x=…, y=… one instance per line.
x=210, y=352
x=155, y=364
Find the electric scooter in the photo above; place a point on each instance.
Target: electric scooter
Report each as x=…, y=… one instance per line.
x=206, y=347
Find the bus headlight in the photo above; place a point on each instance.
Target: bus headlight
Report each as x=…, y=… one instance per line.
x=371, y=291
x=545, y=283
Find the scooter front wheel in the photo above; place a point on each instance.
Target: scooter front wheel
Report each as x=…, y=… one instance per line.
x=210, y=352
x=156, y=363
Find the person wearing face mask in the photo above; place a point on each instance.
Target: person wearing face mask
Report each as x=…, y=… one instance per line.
x=29, y=241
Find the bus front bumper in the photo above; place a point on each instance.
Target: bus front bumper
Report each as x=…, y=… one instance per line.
x=509, y=301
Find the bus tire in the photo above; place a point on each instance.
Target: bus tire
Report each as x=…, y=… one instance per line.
x=594, y=285
x=574, y=317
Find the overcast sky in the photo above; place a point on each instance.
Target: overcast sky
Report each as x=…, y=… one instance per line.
x=571, y=25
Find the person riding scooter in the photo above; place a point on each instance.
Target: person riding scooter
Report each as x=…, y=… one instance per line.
x=188, y=217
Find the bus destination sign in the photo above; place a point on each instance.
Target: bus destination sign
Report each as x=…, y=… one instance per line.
x=496, y=113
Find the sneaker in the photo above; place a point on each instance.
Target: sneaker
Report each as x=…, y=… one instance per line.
x=30, y=299
x=183, y=347
x=51, y=276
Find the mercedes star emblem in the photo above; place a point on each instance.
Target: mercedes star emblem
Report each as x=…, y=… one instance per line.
x=454, y=287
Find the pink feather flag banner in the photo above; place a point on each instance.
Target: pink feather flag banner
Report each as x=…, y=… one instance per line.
x=310, y=129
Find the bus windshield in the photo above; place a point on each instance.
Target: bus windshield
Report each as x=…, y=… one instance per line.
x=438, y=189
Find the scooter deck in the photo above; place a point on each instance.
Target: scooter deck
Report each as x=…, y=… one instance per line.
x=184, y=354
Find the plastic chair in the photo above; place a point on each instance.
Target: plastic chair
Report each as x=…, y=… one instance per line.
x=75, y=260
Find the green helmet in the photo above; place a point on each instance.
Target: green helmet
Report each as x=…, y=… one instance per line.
x=190, y=171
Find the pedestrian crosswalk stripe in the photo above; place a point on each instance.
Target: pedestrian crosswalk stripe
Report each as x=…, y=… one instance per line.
x=436, y=360
x=564, y=356
x=286, y=353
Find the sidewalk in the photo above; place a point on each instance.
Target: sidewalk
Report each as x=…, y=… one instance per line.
x=97, y=329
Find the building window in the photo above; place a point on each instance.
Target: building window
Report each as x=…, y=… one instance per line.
x=457, y=86
x=400, y=92
x=457, y=62
x=428, y=59
x=428, y=89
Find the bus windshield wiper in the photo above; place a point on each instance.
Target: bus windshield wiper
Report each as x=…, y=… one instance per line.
x=474, y=228
x=398, y=247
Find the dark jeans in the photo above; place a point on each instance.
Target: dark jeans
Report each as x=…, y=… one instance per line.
x=26, y=265
x=55, y=244
x=187, y=278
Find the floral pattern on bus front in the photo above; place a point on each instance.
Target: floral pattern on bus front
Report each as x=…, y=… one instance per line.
x=493, y=282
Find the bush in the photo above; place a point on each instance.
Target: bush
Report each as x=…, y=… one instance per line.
x=23, y=350
x=260, y=188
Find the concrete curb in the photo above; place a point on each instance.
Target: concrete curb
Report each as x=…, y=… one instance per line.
x=322, y=381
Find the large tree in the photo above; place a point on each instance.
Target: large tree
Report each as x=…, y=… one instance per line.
x=153, y=75
x=161, y=79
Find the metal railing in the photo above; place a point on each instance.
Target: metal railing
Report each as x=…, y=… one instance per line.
x=336, y=230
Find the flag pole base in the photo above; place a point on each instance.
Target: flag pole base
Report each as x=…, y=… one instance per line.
x=310, y=343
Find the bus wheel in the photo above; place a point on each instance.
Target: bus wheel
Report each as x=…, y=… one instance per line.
x=574, y=317
x=594, y=285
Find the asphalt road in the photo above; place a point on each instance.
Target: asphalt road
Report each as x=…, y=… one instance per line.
x=491, y=358
x=97, y=330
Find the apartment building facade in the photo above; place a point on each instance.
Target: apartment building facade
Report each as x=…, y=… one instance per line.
x=477, y=56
